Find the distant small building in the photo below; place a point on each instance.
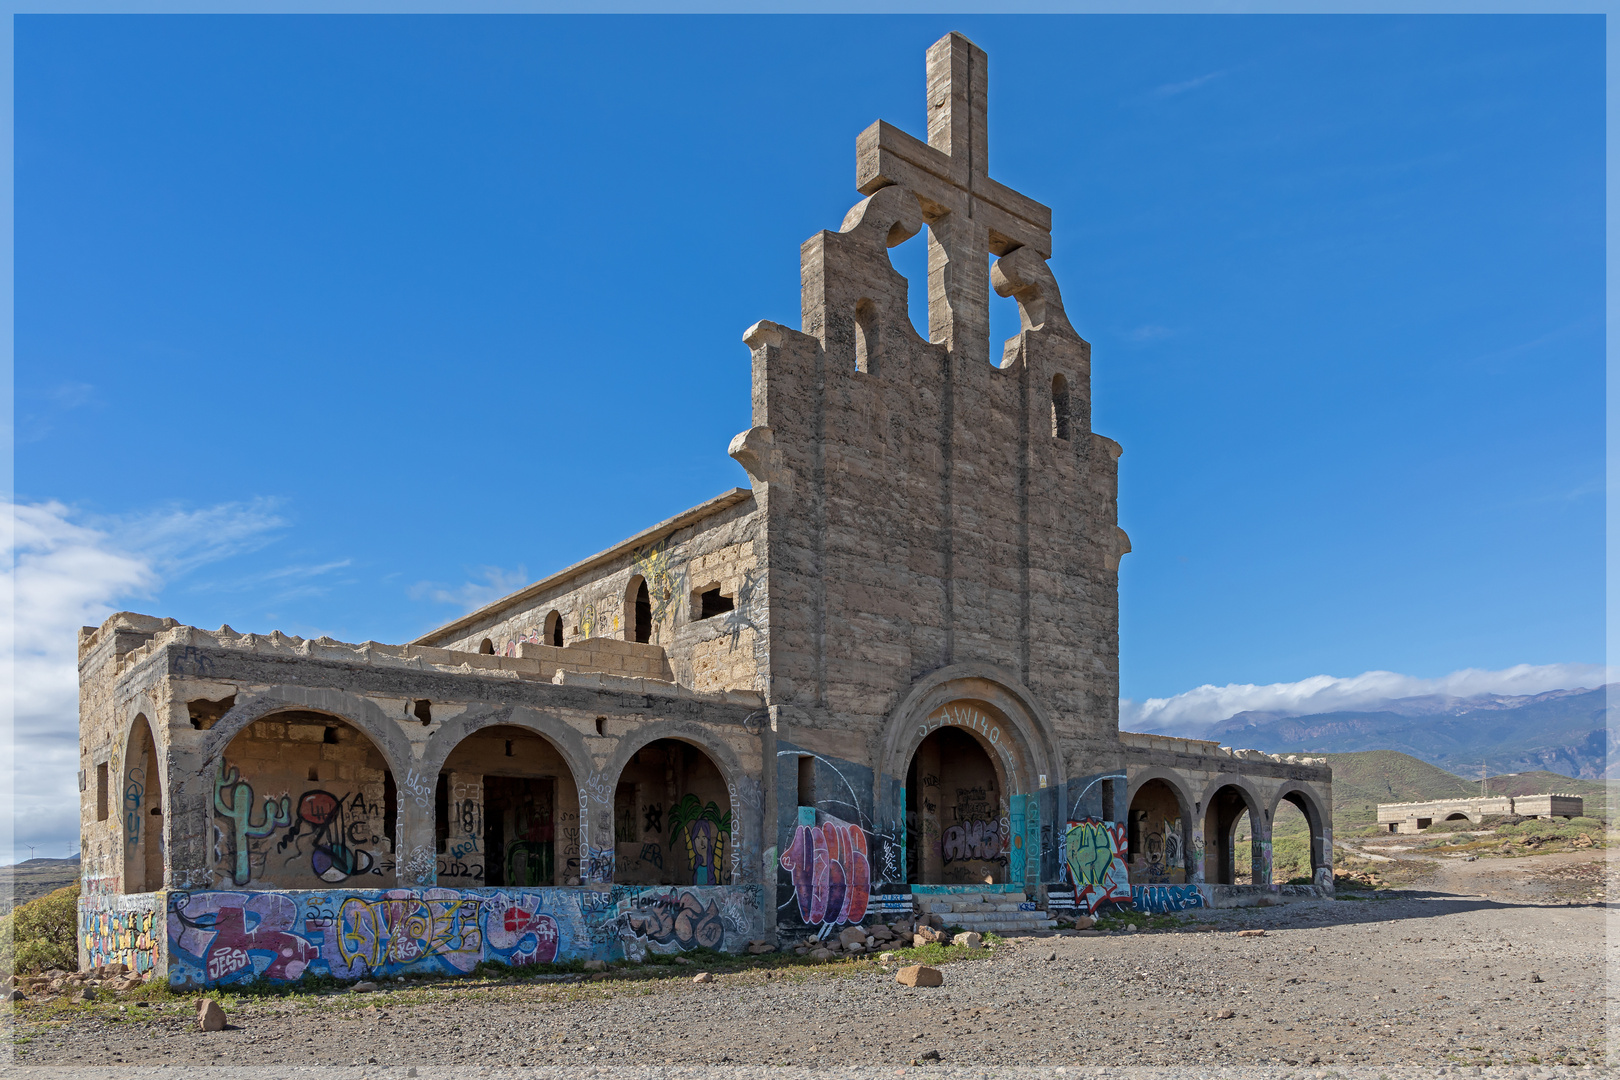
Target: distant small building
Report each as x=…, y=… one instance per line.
x=1411, y=817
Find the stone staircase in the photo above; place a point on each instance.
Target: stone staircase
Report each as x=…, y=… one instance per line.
x=1006, y=914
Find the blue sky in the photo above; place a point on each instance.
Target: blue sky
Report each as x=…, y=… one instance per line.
x=343, y=325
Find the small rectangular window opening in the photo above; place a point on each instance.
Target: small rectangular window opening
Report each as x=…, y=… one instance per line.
x=424, y=711
x=508, y=747
x=101, y=792
x=441, y=813
x=331, y=735
x=807, y=781
x=712, y=603
x=601, y=725
x=314, y=773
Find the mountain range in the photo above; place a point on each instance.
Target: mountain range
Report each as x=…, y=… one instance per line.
x=1561, y=731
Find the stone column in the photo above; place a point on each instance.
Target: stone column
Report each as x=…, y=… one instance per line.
x=1260, y=849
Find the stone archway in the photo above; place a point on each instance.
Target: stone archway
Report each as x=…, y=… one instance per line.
x=1319, y=823
x=989, y=710
x=1226, y=801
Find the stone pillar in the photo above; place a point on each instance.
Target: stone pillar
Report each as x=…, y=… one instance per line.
x=416, y=862
x=1260, y=849
x=188, y=824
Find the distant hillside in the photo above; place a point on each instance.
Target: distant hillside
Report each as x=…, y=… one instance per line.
x=33, y=878
x=1563, y=731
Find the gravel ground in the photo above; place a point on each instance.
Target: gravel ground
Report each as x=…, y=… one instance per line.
x=1433, y=979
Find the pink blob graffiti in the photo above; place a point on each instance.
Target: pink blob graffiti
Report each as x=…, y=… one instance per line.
x=832, y=879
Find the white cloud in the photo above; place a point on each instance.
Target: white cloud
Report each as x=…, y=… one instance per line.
x=1172, y=89
x=63, y=571
x=472, y=595
x=1194, y=709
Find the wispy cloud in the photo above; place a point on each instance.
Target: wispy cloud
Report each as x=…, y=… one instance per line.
x=64, y=570
x=1194, y=709
x=493, y=584
x=1172, y=89
x=1148, y=332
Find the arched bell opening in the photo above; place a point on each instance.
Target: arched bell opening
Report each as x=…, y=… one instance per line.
x=956, y=804
x=303, y=800
x=672, y=818
x=506, y=812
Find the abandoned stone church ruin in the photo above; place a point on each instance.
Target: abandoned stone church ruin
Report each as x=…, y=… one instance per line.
x=880, y=680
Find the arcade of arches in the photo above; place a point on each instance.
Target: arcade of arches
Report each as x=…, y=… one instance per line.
x=305, y=800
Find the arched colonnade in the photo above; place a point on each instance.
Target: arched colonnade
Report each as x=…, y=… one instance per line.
x=301, y=788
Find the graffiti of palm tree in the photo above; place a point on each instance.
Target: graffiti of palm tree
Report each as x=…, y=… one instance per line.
x=704, y=831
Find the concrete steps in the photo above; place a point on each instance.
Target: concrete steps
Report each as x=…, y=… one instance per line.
x=1000, y=913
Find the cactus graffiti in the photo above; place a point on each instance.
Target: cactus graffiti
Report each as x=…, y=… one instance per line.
x=233, y=800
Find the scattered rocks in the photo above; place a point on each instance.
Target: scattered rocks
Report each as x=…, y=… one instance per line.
x=1251, y=933
x=703, y=977
x=919, y=975
x=926, y=935
x=363, y=987
x=210, y=1017
x=1533, y=977
x=1049, y=957
x=968, y=940
x=888, y=956
x=760, y=948
x=852, y=935
x=596, y=965
x=1225, y=1014
x=823, y=954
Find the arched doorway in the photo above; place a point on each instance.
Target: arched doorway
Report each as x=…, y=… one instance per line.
x=956, y=811
x=141, y=810
x=672, y=818
x=303, y=800
x=1229, y=851
x=506, y=812
x=1297, y=811
x=1157, y=841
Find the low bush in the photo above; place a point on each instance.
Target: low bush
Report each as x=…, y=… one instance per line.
x=42, y=934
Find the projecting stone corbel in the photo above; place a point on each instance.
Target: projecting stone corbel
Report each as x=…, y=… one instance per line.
x=1023, y=275
x=1122, y=548
x=755, y=450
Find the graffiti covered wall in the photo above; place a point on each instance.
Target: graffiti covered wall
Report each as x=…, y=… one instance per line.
x=120, y=929
x=1094, y=863
x=217, y=938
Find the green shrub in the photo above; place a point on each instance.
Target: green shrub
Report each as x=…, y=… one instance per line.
x=42, y=934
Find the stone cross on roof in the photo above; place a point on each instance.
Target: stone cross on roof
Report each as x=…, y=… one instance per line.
x=970, y=216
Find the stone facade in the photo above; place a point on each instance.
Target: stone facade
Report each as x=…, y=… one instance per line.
x=882, y=678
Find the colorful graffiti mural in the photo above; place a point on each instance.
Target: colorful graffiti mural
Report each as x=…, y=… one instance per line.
x=705, y=833
x=1094, y=863
x=121, y=930
x=1159, y=899
x=217, y=938
x=832, y=879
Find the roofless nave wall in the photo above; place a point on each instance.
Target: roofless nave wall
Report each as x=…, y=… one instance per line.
x=886, y=670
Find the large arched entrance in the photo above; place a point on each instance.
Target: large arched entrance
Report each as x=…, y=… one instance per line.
x=303, y=800
x=141, y=809
x=956, y=812
x=672, y=820
x=1157, y=835
x=506, y=812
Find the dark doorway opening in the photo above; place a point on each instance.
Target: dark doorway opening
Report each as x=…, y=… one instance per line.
x=520, y=831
